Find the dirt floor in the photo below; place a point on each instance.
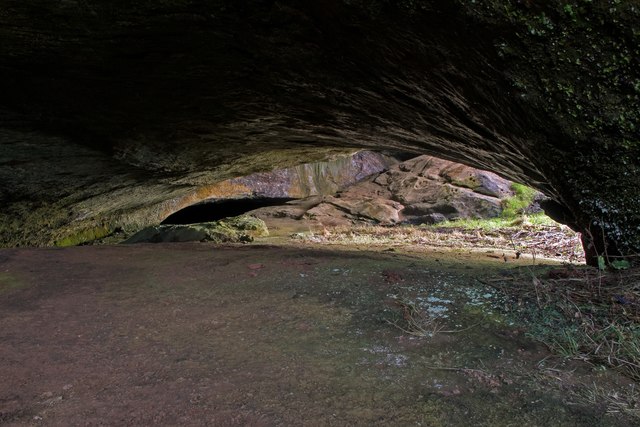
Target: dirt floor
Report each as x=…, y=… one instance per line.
x=276, y=335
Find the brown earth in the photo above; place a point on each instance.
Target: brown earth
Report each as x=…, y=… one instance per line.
x=263, y=335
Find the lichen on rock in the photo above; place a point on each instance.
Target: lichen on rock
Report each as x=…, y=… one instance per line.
x=240, y=229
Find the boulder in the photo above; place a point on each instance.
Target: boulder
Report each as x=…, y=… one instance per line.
x=433, y=189
x=377, y=209
x=239, y=229
x=479, y=181
x=417, y=179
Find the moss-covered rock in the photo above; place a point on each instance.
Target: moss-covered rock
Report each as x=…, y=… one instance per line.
x=241, y=229
x=84, y=236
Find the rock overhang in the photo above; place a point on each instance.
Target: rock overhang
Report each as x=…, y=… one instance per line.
x=159, y=96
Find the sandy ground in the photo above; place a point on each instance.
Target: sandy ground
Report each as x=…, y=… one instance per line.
x=262, y=335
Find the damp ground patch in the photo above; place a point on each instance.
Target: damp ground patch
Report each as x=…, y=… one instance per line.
x=195, y=333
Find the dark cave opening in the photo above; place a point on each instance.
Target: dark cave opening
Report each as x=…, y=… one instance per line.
x=213, y=210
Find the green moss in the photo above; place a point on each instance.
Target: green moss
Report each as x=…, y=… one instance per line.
x=487, y=316
x=238, y=229
x=491, y=224
x=575, y=59
x=83, y=236
x=516, y=205
x=256, y=226
x=9, y=283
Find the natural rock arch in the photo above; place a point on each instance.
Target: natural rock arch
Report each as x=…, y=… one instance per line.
x=151, y=102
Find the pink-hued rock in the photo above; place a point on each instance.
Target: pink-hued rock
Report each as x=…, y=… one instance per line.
x=321, y=178
x=421, y=190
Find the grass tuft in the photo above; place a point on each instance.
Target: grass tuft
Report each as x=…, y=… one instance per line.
x=499, y=223
x=416, y=322
x=583, y=313
x=626, y=402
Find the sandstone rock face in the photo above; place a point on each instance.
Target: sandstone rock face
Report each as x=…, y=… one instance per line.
x=421, y=190
x=367, y=208
x=309, y=179
x=432, y=189
x=65, y=195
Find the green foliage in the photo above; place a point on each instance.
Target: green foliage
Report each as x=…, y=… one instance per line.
x=621, y=264
x=516, y=205
x=577, y=60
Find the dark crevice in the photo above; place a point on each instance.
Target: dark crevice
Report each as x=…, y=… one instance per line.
x=213, y=210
